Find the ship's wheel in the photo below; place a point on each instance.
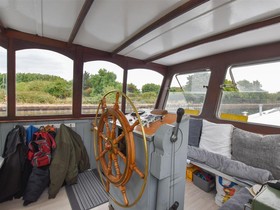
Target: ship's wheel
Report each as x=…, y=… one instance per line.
x=115, y=164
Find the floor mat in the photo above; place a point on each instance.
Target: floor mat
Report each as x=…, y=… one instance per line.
x=88, y=192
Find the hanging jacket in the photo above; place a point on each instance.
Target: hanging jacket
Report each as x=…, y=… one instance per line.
x=37, y=183
x=29, y=133
x=70, y=158
x=16, y=169
x=40, y=154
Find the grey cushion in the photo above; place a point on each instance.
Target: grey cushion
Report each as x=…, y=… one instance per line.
x=260, y=151
x=195, y=127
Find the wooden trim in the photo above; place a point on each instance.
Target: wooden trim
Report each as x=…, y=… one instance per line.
x=80, y=19
x=223, y=35
x=77, y=83
x=11, y=81
x=189, y=5
x=25, y=37
x=2, y=28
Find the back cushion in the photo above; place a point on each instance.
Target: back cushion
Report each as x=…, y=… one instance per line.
x=195, y=126
x=216, y=138
x=260, y=151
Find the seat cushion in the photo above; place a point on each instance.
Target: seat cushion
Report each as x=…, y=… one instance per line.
x=260, y=151
x=195, y=126
x=216, y=138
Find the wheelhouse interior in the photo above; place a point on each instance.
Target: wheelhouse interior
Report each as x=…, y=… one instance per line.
x=217, y=59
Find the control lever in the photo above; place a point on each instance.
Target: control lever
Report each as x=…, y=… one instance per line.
x=180, y=113
x=174, y=206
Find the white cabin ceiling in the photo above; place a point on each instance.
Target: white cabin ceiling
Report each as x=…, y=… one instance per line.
x=110, y=23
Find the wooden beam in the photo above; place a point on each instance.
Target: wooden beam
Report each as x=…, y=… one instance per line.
x=219, y=36
x=80, y=19
x=2, y=28
x=170, y=16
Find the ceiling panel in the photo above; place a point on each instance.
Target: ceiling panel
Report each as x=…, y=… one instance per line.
x=109, y=22
x=20, y=15
x=234, y=13
x=247, y=39
x=59, y=17
x=49, y=18
x=189, y=16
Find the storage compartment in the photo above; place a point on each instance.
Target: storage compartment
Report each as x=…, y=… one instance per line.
x=190, y=171
x=203, y=180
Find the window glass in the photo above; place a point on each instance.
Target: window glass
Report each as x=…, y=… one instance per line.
x=3, y=82
x=143, y=86
x=44, y=83
x=251, y=93
x=188, y=91
x=99, y=77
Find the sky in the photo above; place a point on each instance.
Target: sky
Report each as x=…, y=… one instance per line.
x=46, y=62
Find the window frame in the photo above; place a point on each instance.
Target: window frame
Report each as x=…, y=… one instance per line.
x=58, y=56
x=242, y=120
x=4, y=47
x=199, y=70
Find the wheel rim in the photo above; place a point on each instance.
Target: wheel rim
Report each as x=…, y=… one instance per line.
x=107, y=151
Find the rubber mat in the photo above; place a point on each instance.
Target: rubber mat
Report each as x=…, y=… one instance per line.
x=88, y=192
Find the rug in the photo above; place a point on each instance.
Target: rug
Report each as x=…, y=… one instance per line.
x=88, y=192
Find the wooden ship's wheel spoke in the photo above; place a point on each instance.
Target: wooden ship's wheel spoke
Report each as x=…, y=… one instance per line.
x=119, y=138
x=121, y=155
x=118, y=166
x=123, y=190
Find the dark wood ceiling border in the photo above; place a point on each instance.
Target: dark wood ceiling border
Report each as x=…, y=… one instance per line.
x=2, y=28
x=232, y=32
x=168, y=17
x=80, y=19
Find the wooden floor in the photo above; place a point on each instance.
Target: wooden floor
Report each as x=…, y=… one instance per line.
x=195, y=199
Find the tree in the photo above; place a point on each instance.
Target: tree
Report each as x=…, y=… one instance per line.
x=3, y=81
x=131, y=88
x=150, y=87
x=103, y=79
x=175, y=89
x=28, y=77
x=228, y=86
x=86, y=81
x=245, y=85
x=197, y=82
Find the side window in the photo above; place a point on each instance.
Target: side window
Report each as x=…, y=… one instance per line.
x=188, y=91
x=99, y=77
x=3, y=82
x=44, y=83
x=251, y=93
x=143, y=86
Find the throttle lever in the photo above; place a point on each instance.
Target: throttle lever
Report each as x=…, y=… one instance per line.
x=180, y=113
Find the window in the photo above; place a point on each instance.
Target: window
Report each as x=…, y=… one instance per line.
x=44, y=83
x=3, y=82
x=99, y=77
x=251, y=93
x=188, y=91
x=143, y=86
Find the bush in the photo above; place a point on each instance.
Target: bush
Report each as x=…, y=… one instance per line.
x=59, y=89
x=149, y=97
x=2, y=95
x=34, y=97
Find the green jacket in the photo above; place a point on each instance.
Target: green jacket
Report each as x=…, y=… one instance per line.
x=69, y=159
